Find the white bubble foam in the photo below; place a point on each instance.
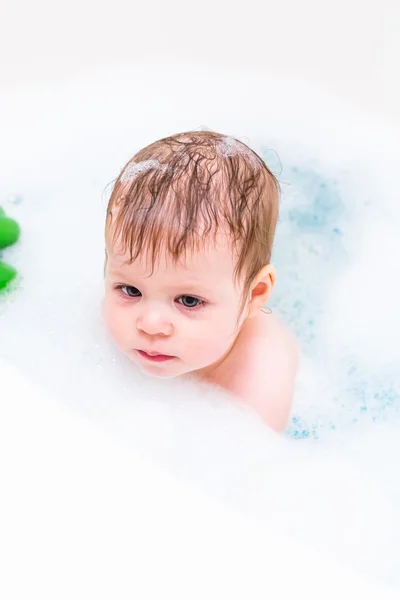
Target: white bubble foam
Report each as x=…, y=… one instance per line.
x=135, y=168
x=228, y=147
x=336, y=494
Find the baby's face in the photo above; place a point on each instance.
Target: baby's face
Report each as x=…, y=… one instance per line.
x=178, y=319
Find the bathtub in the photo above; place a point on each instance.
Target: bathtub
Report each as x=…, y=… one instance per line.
x=118, y=486
x=82, y=517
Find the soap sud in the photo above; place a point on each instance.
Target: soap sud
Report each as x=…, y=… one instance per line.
x=328, y=493
x=135, y=168
x=229, y=147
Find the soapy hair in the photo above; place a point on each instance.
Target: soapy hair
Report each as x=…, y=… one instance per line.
x=177, y=194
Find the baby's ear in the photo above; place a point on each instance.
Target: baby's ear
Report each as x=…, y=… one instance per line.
x=261, y=289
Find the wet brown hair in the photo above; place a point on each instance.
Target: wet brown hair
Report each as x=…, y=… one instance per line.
x=178, y=193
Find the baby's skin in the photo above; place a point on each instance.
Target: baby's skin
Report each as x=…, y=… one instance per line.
x=261, y=369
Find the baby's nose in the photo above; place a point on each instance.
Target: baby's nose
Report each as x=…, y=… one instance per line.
x=154, y=322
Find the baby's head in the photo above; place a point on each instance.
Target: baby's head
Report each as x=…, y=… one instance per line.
x=189, y=233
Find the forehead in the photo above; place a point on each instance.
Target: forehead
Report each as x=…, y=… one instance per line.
x=213, y=263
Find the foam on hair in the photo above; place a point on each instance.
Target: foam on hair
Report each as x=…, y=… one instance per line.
x=229, y=146
x=135, y=168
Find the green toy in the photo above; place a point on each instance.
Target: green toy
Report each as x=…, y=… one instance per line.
x=9, y=234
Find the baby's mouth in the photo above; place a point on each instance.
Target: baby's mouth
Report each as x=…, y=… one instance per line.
x=154, y=356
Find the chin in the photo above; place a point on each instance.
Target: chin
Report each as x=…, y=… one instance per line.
x=160, y=374
x=157, y=372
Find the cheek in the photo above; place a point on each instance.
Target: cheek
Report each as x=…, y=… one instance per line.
x=115, y=320
x=215, y=336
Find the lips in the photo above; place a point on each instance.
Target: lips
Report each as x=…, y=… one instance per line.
x=154, y=356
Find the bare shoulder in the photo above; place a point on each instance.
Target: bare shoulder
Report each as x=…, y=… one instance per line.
x=266, y=361
x=269, y=329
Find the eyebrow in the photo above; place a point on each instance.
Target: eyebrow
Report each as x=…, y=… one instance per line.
x=188, y=285
x=118, y=274
x=125, y=278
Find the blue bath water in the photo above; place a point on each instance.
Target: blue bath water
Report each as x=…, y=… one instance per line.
x=310, y=250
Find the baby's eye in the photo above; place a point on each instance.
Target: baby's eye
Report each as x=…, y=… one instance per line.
x=130, y=291
x=190, y=301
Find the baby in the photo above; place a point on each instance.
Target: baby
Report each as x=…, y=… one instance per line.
x=189, y=233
